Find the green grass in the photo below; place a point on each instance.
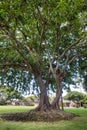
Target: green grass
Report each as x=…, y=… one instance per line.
x=13, y=109
x=79, y=111
x=78, y=123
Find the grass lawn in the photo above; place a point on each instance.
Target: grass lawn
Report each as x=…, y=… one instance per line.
x=78, y=123
x=13, y=109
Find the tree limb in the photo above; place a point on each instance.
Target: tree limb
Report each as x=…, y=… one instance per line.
x=69, y=47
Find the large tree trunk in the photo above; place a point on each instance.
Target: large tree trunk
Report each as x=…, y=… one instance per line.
x=44, y=103
x=56, y=102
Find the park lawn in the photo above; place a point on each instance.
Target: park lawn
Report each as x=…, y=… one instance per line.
x=78, y=123
x=79, y=111
x=13, y=109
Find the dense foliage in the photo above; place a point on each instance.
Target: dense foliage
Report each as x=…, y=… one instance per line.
x=9, y=93
x=74, y=96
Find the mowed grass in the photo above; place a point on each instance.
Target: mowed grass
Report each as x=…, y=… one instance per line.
x=13, y=109
x=78, y=123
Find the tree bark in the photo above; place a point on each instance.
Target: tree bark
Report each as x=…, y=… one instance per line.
x=44, y=103
x=55, y=104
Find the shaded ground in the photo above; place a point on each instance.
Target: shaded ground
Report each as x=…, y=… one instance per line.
x=52, y=115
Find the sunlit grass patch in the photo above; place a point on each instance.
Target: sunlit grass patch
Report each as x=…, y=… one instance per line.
x=80, y=111
x=13, y=109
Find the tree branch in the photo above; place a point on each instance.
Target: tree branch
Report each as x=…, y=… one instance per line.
x=71, y=60
x=14, y=66
x=17, y=46
x=69, y=47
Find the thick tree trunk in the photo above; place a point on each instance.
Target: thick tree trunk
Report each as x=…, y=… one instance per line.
x=56, y=102
x=44, y=103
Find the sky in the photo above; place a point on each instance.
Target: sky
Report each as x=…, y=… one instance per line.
x=79, y=89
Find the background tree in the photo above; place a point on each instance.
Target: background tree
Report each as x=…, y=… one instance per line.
x=9, y=93
x=74, y=96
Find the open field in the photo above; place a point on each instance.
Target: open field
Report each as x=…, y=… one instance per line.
x=78, y=123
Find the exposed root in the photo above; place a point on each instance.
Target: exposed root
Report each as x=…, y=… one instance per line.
x=52, y=115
